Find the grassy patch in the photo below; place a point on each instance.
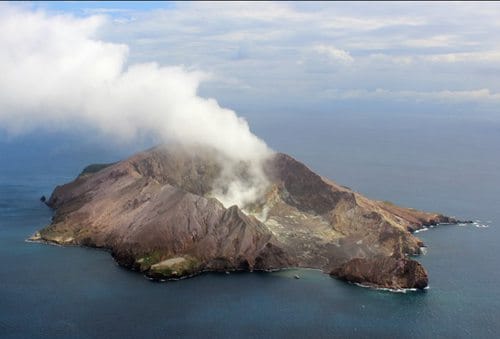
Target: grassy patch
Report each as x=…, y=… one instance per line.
x=147, y=261
x=187, y=267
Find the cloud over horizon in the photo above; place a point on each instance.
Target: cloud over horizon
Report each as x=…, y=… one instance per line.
x=281, y=53
x=279, y=56
x=57, y=74
x=135, y=69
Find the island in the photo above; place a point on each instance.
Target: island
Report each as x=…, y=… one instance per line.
x=155, y=213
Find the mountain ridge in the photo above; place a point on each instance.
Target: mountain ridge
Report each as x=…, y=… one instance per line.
x=155, y=213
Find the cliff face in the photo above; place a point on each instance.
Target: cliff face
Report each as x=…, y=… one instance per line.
x=398, y=273
x=154, y=213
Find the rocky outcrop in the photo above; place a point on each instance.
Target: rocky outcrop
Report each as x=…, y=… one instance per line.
x=387, y=272
x=155, y=214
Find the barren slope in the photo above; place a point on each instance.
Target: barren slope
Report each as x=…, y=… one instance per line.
x=153, y=211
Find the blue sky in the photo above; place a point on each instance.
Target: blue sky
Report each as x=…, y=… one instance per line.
x=86, y=7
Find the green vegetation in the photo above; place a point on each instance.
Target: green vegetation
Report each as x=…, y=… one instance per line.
x=180, y=266
x=147, y=261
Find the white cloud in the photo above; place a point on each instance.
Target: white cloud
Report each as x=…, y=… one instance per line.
x=258, y=11
x=353, y=23
x=483, y=56
x=479, y=95
x=56, y=74
x=490, y=57
x=384, y=58
x=443, y=40
x=277, y=54
x=334, y=53
x=290, y=46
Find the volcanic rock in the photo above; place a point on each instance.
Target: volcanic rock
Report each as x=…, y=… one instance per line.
x=155, y=213
x=388, y=272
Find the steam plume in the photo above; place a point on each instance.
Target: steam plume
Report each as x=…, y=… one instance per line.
x=55, y=73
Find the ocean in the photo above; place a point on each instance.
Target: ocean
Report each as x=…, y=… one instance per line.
x=445, y=164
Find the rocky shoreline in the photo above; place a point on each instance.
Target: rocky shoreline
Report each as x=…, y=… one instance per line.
x=358, y=272
x=153, y=214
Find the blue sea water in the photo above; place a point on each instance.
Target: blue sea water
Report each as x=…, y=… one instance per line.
x=446, y=165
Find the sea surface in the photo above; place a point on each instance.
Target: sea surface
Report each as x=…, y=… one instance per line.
x=450, y=165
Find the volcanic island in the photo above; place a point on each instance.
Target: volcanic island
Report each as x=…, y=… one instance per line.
x=155, y=214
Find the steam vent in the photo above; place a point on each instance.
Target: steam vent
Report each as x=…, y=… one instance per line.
x=156, y=213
